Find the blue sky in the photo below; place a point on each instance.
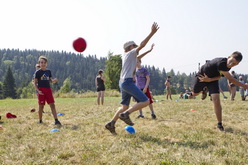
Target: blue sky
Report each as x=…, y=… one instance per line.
x=191, y=31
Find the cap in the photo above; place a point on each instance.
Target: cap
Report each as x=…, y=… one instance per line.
x=129, y=43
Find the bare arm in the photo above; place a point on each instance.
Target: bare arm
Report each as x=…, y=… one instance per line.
x=145, y=41
x=205, y=78
x=103, y=78
x=233, y=80
x=147, y=83
x=143, y=54
x=96, y=81
x=35, y=82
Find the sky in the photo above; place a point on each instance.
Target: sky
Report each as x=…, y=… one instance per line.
x=191, y=31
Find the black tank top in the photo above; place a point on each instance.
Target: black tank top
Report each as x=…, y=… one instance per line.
x=100, y=82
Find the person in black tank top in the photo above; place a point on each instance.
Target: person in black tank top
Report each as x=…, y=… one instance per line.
x=100, y=87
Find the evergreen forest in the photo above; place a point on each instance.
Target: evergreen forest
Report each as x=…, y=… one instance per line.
x=79, y=71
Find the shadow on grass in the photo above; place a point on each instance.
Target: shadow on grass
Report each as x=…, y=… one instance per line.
x=235, y=131
x=190, y=144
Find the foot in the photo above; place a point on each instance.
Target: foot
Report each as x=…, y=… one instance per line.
x=141, y=116
x=111, y=128
x=57, y=123
x=204, y=93
x=225, y=97
x=220, y=127
x=153, y=116
x=125, y=117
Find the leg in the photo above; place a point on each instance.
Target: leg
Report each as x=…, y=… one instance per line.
x=102, y=96
x=217, y=109
x=40, y=112
x=98, y=97
x=53, y=109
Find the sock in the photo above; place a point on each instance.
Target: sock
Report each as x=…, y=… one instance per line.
x=219, y=123
x=127, y=113
x=112, y=123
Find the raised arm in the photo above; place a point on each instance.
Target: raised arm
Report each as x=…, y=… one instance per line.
x=145, y=53
x=145, y=41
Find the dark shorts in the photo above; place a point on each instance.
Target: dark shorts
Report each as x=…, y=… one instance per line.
x=46, y=97
x=98, y=89
x=129, y=89
x=213, y=87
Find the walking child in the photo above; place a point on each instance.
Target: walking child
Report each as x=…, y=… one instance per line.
x=42, y=79
x=143, y=81
x=208, y=77
x=127, y=84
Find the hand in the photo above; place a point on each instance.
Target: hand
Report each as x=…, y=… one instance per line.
x=204, y=78
x=54, y=80
x=155, y=27
x=40, y=92
x=152, y=47
x=144, y=90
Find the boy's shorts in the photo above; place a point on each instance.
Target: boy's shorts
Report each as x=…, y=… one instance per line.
x=129, y=89
x=213, y=87
x=46, y=97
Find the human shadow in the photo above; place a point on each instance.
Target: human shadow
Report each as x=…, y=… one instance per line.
x=235, y=131
x=189, y=144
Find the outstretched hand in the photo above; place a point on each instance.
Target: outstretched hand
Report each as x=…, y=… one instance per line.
x=155, y=27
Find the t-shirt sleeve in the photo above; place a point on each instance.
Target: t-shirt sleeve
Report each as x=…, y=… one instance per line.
x=146, y=72
x=222, y=66
x=36, y=74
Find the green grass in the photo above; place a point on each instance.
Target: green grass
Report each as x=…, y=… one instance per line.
x=178, y=136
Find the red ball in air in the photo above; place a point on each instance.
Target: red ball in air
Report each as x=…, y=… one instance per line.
x=79, y=44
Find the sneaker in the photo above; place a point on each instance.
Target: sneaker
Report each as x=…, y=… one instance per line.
x=225, y=97
x=204, y=93
x=221, y=128
x=57, y=122
x=141, y=116
x=111, y=128
x=124, y=117
x=153, y=116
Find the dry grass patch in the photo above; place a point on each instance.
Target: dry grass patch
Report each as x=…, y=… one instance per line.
x=177, y=136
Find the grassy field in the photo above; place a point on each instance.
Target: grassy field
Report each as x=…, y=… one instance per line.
x=178, y=136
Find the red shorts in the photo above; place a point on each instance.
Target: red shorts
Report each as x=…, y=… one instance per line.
x=148, y=94
x=46, y=97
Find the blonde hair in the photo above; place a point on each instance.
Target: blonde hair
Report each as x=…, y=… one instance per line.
x=43, y=58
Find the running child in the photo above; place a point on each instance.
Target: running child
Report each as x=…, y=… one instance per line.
x=127, y=84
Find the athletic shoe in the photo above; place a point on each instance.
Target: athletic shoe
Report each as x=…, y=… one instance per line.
x=153, y=116
x=57, y=123
x=225, y=97
x=204, y=93
x=141, y=116
x=125, y=117
x=111, y=128
x=221, y=128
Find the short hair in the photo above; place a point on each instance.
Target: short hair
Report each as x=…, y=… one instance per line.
x=100, y=71
x=169, y=76
x=43, y=58
x=237, y=55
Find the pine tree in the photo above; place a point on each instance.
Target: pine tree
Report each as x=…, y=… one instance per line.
x=1, y=91
x=9, y=87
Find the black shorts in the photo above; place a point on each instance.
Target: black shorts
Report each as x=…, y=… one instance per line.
x=213, y=87
x=100, y=89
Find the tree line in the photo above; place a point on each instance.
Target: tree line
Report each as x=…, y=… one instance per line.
x=76, y=73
